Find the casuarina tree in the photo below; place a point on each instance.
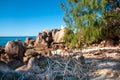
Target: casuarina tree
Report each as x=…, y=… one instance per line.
x=88, y=20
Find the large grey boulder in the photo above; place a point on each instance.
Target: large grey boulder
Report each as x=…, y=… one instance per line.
x=15, y=50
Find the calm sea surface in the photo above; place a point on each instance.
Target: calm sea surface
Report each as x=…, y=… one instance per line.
x=4, y=40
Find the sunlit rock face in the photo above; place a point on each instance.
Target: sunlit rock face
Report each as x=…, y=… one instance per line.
x=59, y=36
x=41, y=40
x=30, y=42
x=44, y=39
x=54, y=31
x=15, y=49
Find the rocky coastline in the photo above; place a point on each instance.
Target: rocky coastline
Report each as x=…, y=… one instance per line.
x=47, y=58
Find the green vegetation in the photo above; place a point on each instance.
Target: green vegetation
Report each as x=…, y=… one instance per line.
x=90, y=21
x=112, y=26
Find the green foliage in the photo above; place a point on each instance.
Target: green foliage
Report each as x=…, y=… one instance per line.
x=81, y=17
x=85, y=26
x=86, y=35
x=69, y=37
x=112, y=26
x=91, y=34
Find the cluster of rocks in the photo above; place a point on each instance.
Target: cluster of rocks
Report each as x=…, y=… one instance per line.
x=15, y=50
x=33, y=59
x=46, y=38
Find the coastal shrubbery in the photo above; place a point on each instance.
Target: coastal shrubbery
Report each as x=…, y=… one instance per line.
x=86, y=35
x=91, y=22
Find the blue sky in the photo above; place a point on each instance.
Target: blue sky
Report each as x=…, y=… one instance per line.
x=28, y=17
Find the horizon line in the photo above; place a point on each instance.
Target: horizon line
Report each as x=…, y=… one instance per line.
x=19, y=36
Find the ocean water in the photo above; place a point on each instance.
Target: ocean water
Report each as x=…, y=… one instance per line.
x=4, y=40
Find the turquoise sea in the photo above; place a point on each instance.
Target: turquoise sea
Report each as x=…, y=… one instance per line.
x=4, y=40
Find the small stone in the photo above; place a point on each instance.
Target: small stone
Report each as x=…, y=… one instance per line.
x=81, y=59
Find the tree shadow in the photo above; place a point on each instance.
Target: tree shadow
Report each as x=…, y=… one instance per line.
x=111, y=65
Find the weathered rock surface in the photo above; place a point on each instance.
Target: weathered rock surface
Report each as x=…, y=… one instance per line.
x=3, y=66
x=30, y=52
x=32, y=66
x=54, y=31
x=41, y=40
x=30, y=42
x=46, y=38
x=2, y=50
x=13, y=64
x=59, y=35
x=15, y=49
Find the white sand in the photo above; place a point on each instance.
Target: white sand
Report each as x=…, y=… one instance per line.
x=59, y=51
